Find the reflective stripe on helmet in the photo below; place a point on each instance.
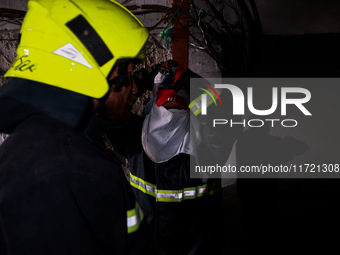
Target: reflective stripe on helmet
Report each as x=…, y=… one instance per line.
x=171, y=195
x=134, y=218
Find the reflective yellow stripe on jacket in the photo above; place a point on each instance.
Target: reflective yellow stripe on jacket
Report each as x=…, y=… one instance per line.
x=134, y=218
x=169, y=195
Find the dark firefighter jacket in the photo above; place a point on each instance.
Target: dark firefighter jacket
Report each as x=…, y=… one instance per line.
x=59, y=193
x=185, y=213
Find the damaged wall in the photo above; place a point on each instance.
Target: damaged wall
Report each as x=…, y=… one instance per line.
x=14, y=4
x=8, y=43
x=156, y=52
x=8, y=35
x=8, y=40
x=281, y=17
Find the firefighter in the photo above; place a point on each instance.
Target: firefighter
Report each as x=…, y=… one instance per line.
x=60, y=193
x=185, y=213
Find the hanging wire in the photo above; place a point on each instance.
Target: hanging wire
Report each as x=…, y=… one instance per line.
x=162, y=33
x=166, y=34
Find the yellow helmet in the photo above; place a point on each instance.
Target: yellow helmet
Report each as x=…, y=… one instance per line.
x=74, y=44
